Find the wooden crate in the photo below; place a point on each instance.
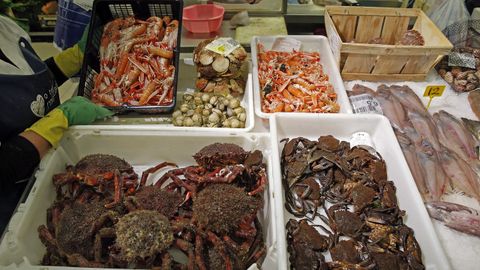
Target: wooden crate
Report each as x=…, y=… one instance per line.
x=350, y=28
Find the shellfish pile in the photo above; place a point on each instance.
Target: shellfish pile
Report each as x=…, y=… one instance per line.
x=461, y=79
x=362, y=227
x=210, y=110
x=219, y=73
x=136, y=62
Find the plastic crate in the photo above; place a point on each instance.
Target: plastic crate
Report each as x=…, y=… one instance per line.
x=105, y=11
x=21, y=248
x=342, y=126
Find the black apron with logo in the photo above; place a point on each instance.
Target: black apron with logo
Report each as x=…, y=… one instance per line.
x=23, y=100
x=26, y=98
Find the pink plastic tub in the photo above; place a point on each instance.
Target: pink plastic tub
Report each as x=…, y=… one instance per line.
x=203, y=18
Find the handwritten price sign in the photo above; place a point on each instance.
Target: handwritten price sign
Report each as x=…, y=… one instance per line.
x=433, y=91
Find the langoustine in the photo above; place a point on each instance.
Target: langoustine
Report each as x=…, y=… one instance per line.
x=136, y=62
x=294, y=82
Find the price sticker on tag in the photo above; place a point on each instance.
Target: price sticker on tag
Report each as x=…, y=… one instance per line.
x=433, y=91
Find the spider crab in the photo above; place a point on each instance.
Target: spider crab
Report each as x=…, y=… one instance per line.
x=71, y=230
x=226, y=220
x=221, y=163
x=97, y=171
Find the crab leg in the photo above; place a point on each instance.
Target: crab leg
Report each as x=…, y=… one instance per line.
x=78, y=260
x=118, y=182
x=218, y=243
x=97, y=248
x=151, y=170
x=199, y=253
x=187, y=247
x=260, y=187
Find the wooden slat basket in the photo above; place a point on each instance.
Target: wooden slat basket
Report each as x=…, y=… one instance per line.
x=349, y=30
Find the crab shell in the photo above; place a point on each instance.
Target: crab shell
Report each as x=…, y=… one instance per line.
x=98, y=164
x=220, y=154
x=143, y=234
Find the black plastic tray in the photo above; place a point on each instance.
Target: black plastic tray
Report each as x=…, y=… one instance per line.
x=105, y=11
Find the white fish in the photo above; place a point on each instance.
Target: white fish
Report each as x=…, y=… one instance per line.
x=455, y=136
x=434, y=176
x=456, y=216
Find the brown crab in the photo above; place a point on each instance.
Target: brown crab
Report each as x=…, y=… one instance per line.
x=342, y=221
x=314, y=173
x=305, y=245
x=348, y=254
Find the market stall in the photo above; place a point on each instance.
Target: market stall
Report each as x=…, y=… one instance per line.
x=354, y=150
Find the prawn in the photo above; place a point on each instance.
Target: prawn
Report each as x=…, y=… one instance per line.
x=136, y=64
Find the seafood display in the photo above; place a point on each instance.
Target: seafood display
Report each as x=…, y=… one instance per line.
x=97, y=222
x=294, y=82
x=136, y=62
x=462, y=79
x=210, y=110
x=440, y=150
x=474, y=100
x=346, y=208
x=221, y=86
x=220, y=71
x=434, y=142
x=211, y=64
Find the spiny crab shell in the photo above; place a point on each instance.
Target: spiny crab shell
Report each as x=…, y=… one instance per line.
x=220, y=154
x=98, y=164
x=142, y=234
x=222, y=207
x=74, y=230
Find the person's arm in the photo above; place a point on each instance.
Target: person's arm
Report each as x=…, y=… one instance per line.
x=20, y=155
x=69, y=62
x=38, y=142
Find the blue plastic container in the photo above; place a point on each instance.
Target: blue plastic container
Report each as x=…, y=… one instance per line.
x=71, y=21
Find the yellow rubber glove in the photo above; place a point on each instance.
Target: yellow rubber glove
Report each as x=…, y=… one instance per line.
x=75, y=111
x=70, y=60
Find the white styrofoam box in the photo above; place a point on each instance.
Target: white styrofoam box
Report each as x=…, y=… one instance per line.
x=342, y=126
x=186, y=79
x=21, y=247
x=309, y=44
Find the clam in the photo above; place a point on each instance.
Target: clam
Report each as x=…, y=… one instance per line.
x=206, y=58
x=220, y=64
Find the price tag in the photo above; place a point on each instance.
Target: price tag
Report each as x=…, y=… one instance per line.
x=223, y=46
x=433, y=91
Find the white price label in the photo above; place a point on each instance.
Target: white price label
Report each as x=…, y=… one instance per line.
x=365, y=103
x=223, y=46
x=285, y=44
